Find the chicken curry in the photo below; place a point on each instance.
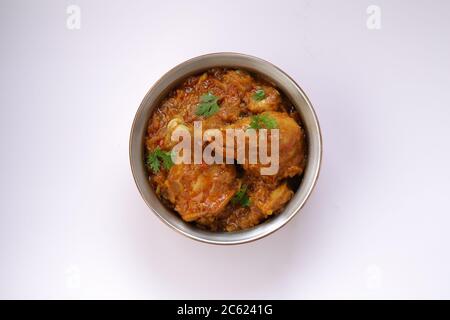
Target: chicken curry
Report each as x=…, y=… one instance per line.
x=225, y=196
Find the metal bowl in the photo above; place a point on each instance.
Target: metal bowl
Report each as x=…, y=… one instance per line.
x=197, y=65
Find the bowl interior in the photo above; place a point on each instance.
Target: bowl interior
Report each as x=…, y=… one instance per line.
x=197, y=65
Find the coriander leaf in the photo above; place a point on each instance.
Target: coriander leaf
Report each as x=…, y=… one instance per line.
x=166, y=159
x=245, y=201
x=208, y=97
x=259, y=95
x=241, y=197
x=269, y=122
x=263, y=121
x=207, y=105
x=255, y=122
x=154, y=160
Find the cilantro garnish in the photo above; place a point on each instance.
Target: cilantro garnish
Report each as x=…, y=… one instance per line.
x=259, y=95
x=207, y=105
x=154, y=160
x=241, y=197
x=263, y=121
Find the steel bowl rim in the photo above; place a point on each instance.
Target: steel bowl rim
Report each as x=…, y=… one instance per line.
x=316, y=173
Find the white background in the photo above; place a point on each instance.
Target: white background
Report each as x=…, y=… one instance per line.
x=73, y=225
